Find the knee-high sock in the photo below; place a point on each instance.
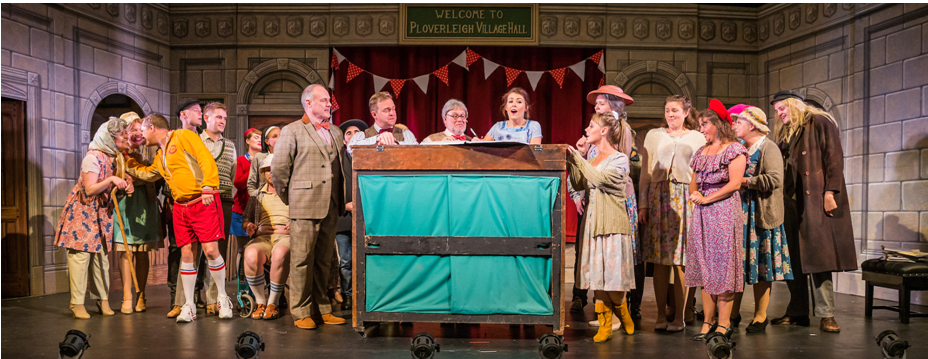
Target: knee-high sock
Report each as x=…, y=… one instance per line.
x=217, y=270
x=276, y=290
x=257, y=287
x=188, y=278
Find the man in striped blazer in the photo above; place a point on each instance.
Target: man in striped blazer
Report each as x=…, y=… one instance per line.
x=308, y=175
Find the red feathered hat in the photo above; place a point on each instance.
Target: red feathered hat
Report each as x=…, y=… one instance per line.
x=719, y=108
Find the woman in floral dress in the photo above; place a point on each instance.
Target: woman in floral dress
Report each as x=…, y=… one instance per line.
x=714, y=247
x=766, y=256
x=86, y=223
x=607, y=263
x=664, y=209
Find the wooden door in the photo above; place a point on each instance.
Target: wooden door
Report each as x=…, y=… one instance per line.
x=15, y=242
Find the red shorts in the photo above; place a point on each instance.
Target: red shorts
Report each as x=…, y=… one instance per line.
x=195, y=222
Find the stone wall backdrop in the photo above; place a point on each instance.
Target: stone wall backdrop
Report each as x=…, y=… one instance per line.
x=867, y=64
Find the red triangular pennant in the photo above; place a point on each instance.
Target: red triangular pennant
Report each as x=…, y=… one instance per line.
x=442, y=74
x=558, y=75
x=511, y=75
x=334, y=103
x=602, y=82
x=353, y=71
x=334, y=61
x=597, y=57
x=397, y=86
x=471, y=57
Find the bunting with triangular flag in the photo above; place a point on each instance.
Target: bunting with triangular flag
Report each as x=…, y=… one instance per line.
x=334, y=61
x=533, y=77
x=471, y=57
x=334, y=103
x=488, y=68
x=379, y=82
x=423, y=82
x=511, y=75
x=397, y=85
x=597, y=57
x=558, y=75
x=602, y=82
x=353, y=71
x=579, y=69
x=442, y=74
x=461, y=60
x=332, y=80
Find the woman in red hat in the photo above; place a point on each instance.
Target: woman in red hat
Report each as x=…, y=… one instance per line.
x=242, y=171
x=714, y=247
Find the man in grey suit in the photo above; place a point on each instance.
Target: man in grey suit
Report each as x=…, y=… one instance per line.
x=308, y=175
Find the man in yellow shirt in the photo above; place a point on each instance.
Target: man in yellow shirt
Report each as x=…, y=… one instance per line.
x=190, y=171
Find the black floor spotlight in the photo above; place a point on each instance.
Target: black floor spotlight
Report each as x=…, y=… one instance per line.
x=551, y=346
x=718, y=346
x=891, y=345
x=74, y=344
x=423, y=346
x=249, y=345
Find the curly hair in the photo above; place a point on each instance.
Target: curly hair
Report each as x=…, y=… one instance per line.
x=723, y=128
x=691, y=122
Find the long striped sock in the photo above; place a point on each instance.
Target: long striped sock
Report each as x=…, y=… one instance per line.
x=217, y=270
x=276, y=290
x=188, y=277
x=257, y=287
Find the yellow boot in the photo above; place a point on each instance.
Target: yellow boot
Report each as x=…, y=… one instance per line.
x=626, y=318
x=604, y=314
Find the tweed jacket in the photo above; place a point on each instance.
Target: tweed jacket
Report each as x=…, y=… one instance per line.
x=255, y=179
x=302, y=171
x=768, y=182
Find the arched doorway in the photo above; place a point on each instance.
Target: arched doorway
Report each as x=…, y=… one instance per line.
x=112, y=106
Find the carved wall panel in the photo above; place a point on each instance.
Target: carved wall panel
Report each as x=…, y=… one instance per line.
x=387, y=25
x=706, y=30
x=779, y=23
x=249, y=25
x=365, y=24
x=202, y=27
x=548, y=25
x=572, y=26
x=749, y=34
x=146, y=17
x=663, y=28
x=763, y=31
x=795, y=18
x=180, y=27
x=641, y=28
x=317, y=26
x=687, y=29
x=811, y=13
x=829, y=9
x=729, y=31
x=272, y=26
x=131, y=13
x=617, y=27
x=340, y=25
x=295, y=26
x=225, y=26
x=594, y=27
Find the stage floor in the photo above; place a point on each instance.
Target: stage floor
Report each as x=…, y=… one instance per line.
x=32, y=328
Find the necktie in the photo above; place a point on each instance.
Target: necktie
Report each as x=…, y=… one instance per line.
x=459, y=138
x=382, y=130
x=323, y=124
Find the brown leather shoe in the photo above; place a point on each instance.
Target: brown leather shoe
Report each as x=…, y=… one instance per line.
x=174, y=312
x=305, y=323
x=830, y=325
x=332, y=320
x=271, y=313
x=211, y=309
x=791, y=320
x=259, y=311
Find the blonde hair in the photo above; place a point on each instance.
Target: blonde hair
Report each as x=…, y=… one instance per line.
x=618, y=129
x=212, y=106
x=377, y=98
x=799, y=114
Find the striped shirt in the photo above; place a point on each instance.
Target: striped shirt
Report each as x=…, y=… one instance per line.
x=223, y=152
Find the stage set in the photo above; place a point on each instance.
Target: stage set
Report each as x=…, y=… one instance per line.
x=570, y=148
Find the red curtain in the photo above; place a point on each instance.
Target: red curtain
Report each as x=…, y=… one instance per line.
x=562, y=111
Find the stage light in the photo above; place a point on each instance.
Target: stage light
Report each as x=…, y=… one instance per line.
x=249, y=345
x=551, y=346
x=891, y=345
x=718, y=346
x=423, y=346
x=74, y=344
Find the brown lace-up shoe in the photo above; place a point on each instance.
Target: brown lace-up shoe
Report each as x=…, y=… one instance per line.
x=830, y=325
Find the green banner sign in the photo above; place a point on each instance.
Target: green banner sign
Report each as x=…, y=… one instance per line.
x=469, y=24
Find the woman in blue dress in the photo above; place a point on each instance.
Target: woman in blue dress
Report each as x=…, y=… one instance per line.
x=518, y=127
x=766, y=256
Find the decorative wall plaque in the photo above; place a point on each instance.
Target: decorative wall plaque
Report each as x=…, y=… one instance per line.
x=163, y=25
x=779, y=23
x=548, y=25
x=594, y=26
x=295, y=26
x=572, y=26
x=795, y=18
x=811, y=13
x=641, y=28
x=687, y=29
x=112, y=9
x=829, y=9
x=663, y=28
x=749, y=33
x=146, y=17
x=729, y=31
x=317, y=26
x=706, y=30
x=340, y=25
x=202, y=27
x=225, y=26
x=272, y=26
x=387, y=25
x=180, y=27
x=365, y=25
x=131, y=13
x=249, y=25
x=763, y=30
x=617, y=28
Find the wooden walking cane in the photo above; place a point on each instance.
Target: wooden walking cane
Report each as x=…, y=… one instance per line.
x=125, y=241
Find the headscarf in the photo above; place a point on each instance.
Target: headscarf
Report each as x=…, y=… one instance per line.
x=105, y=142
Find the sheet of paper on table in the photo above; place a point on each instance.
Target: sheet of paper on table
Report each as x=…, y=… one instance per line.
x=476, y=143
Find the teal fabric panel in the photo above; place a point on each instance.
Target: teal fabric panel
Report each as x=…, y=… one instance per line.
x=408, y=284
x=405, y=205
x=482, y=205
x=502, y=206
x=501, y=285
x=480, y=285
